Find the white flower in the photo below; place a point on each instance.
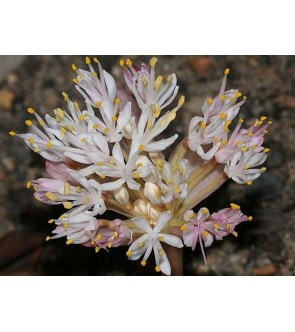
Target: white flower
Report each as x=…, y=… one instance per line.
x=77, y=198
x=151, y=240
x=173, y=183
x=78, y=228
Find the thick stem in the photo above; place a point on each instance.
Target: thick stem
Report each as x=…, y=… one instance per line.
x=175, y=257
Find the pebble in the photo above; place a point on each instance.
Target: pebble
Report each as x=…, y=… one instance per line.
x=265, y=270
x=201, y=65
x=6, y=99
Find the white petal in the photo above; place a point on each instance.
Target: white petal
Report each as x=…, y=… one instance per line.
x=162, y=221
x=111, y=85
x=117, y=154
x=172, y=240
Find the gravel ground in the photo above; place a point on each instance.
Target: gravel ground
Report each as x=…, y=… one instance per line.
x=265, y=246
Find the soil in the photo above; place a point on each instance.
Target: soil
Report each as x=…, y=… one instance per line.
x=265, y=246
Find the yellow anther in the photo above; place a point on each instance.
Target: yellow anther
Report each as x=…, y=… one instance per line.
x=112, y=161
x=181, y=101
x=51, y=196
x=238, y=94
x=106, y=130
x=87, y=60
x=102, y=176
x=92, y=243
x=156, y=110
x=31, y=140
x=141, y=147
x=29, y=123
x=209, y=101
x=82, y=117
x=94, y=74
x=222, y=97
x=95, y=60
x=78, y=190
x=65, y=225
x=183, y=228
x=244, y=149
x=250, y=218
x=157, y=269
x=129, y=63
x=263, y=118
x=67, y=189
x=269, y=122
x=226, y=72
x=176, y=189
x=205, y=233
x=265, y=131
x=69, y=241
x=164, y=191
x=62, y=217
x=215, y=140
x=75, y=80
x=83, y=140
x=95, y=126
x=241, y=120
x=223, y=142
x=263, y=169
x=205, y=211
x=100, y=163
x=160, y=163
x=266, y=150
x=48, y=238
x=35, y=150
x=216, y=226
x=161, y=252
x=110, y=244
x=222, y=115
x=158, y=82
x=143, y=263
x=235, y=234
x=149, y=124
x=180, y=170
x=63, y=130
x=191, y=216
x=136, y=176
x=171, y=116
x=246, y=167
x=227, y=226
x=144, y=80
x=253, y=147
x=74, y=67
x=231, y=99
x=50, y=221
x=28, y=184
x=140, y=245
x=49, y=144
x=129, y=253
x=30, y=110
x=117, y=101
x=98, y=103
x=169, y=79
x=12, y=133
x=115, y=235
x=249, y=183
x=76, y=106
x=257, y=123
x=66, y=96
x=41, y=122
x=203, y=125
x=235, y=206
x=96, y=249
x=114, y=118
x=122, y=63
x=161, y=238
x=153, y=62
x=245, y=97
x=250, y=134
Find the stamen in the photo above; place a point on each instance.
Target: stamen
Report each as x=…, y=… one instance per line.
x=30, y=110
x=153, y=62
x=129, y=253
x=226, y=72
x=235, y=206
x=51, y=196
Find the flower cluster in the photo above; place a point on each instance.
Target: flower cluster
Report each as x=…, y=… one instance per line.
x=108, y=155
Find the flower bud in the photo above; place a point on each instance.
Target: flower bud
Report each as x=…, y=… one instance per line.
x=121, y=195
x=152, y=192
x=140, y=207
x=152, y=212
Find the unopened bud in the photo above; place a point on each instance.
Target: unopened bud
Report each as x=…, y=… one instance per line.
x=152, y=192
x=121, y=195
x=140, y=207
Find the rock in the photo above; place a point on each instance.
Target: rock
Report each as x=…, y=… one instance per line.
x=265, y=270
x=201, y=65
x=6, y=99
x=285, y=101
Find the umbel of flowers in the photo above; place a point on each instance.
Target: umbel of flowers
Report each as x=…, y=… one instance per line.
x=107, y=155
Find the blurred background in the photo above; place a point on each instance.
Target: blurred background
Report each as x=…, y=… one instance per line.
x=265, y=246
